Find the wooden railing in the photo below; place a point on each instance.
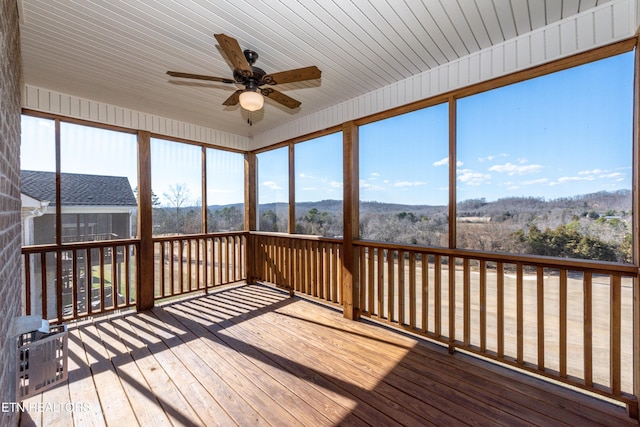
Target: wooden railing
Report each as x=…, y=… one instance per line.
x=185, y=264
x=570, y=320
x=78, y=280
x=306, y=264
x=565, y=319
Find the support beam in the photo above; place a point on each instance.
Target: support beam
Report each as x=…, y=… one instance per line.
x=145, y=291
x=292, y=191
x=250, y=213
x=350, y=270
x=634, y=408
x=452, y=173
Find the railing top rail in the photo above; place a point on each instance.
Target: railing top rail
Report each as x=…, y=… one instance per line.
x=537, y=260
x=297, y=236
x=198, y=236
x=78, y=245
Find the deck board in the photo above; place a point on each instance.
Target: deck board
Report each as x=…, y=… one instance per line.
x=252, y=355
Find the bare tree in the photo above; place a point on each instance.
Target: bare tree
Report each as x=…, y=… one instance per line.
x=177, y=197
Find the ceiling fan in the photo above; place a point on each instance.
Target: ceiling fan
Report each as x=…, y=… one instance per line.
x=245, y=73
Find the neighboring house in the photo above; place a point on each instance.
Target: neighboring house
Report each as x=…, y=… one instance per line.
x=93, y=207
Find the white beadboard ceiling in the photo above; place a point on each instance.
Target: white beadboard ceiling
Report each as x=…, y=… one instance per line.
x=118, y=51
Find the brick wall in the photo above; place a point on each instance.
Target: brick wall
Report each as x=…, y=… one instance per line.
x=10, y=270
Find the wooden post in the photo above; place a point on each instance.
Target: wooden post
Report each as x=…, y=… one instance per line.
x=145, y=288
x=634, y=409
x=292, y=191
x=350, y=270
x=203, y=191
x=250, y=214
x=452, y=175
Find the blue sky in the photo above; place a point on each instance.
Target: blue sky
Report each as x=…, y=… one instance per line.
x=563, y=134
x=559, y=135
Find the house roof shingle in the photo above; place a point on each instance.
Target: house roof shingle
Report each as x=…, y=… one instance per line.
x=78, y=189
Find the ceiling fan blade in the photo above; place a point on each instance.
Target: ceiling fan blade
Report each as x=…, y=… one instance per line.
x=297, y=75
x=199, y=77
x=233, y=99
x=280, y=97
x=233, y=51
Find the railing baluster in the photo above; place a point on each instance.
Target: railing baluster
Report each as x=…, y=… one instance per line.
x=390, y=285
x=437, y=296
x=588, y=328
x=540, y=307
x=115, y=280
x=220, y=268
x=189, y=274
x=74, y=285
x=370, y=279
x=412, y=290
x=197, y=243
x=483, y=306
x=466, y=294
x=236, y=262
x=43, y=285
x=102, y=299
x=314, y=268
x=27, y=283
x=89, y=283
x=380, y=282
x=336, y=273
x=401, y=295
x=563, y=323
x=519, y=315
x=59, y=285
x=500, y=308
x=213, y=256
x=226, y=259
x=614, y=334
x=127, y=272
x=424, y=284
x=452, y=300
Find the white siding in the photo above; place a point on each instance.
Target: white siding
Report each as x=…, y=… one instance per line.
x=48, y=101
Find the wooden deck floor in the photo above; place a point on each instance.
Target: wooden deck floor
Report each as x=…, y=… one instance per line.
x=251, y=355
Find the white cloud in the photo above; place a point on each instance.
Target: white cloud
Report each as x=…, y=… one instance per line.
x=564, y=179
x=368, y=186
x=272, y=185
x=616, y=175
x=409, y=184
x=491, y=157
x=304, y=175
x=445, y=162
x=592, y=172
x=486, y=159
x=471, y=177
x=511, y=169
x=335, y=184
x=375, y=174
x=442, y=162
x=218, y=190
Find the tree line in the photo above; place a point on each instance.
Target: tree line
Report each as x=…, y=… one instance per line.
x=595, y=226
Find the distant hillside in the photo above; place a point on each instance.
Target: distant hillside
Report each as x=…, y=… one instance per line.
x=590, y=226
x=618, y=202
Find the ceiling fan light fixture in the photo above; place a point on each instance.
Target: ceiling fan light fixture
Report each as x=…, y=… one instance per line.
x=251, y=101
